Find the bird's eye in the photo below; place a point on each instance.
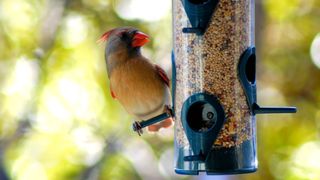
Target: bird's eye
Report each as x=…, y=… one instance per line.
x=123, y=35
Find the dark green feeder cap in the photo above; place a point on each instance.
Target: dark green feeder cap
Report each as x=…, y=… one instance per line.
x=199, y=13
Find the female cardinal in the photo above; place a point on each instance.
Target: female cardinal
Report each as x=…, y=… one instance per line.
x=141, y=87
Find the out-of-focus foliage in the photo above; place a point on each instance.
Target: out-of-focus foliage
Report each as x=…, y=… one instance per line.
x=289, y=146
x=58, y=121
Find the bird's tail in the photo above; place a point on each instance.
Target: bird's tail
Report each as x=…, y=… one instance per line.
x=163, y=124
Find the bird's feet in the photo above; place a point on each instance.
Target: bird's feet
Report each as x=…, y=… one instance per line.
x=137, y=127
x=164, y=120
x=168, y=110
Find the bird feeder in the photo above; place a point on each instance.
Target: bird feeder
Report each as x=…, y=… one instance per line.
x=214, y=87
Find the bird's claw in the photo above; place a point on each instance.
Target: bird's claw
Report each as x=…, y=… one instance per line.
x=137, y=128
x=169, y=111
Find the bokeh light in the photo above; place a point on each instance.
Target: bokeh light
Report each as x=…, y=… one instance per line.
x=306, y=161
x=75, y=30
x=315, y=51
x=145, y=10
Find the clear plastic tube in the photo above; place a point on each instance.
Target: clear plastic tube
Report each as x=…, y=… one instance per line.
x=208, y=64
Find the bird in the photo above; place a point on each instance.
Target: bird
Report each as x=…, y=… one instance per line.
x=141, y=87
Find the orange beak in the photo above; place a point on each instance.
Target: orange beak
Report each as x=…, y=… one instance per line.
x=139, y=39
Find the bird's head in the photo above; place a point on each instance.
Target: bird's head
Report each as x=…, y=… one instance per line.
x=127, y=38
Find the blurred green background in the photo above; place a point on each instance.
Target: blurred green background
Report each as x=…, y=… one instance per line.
x=58, y=120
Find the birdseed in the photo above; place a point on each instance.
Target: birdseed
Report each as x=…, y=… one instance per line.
x=209, y=64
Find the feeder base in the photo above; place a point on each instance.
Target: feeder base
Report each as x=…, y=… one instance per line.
x=222, y=161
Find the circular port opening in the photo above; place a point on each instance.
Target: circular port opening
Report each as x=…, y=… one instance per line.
x=198, y=1
x=251, y=69
x=201, y=116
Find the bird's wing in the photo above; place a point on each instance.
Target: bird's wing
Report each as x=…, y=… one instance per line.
x=163, y=75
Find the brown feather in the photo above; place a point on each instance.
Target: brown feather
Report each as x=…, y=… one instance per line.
x=138, y=86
